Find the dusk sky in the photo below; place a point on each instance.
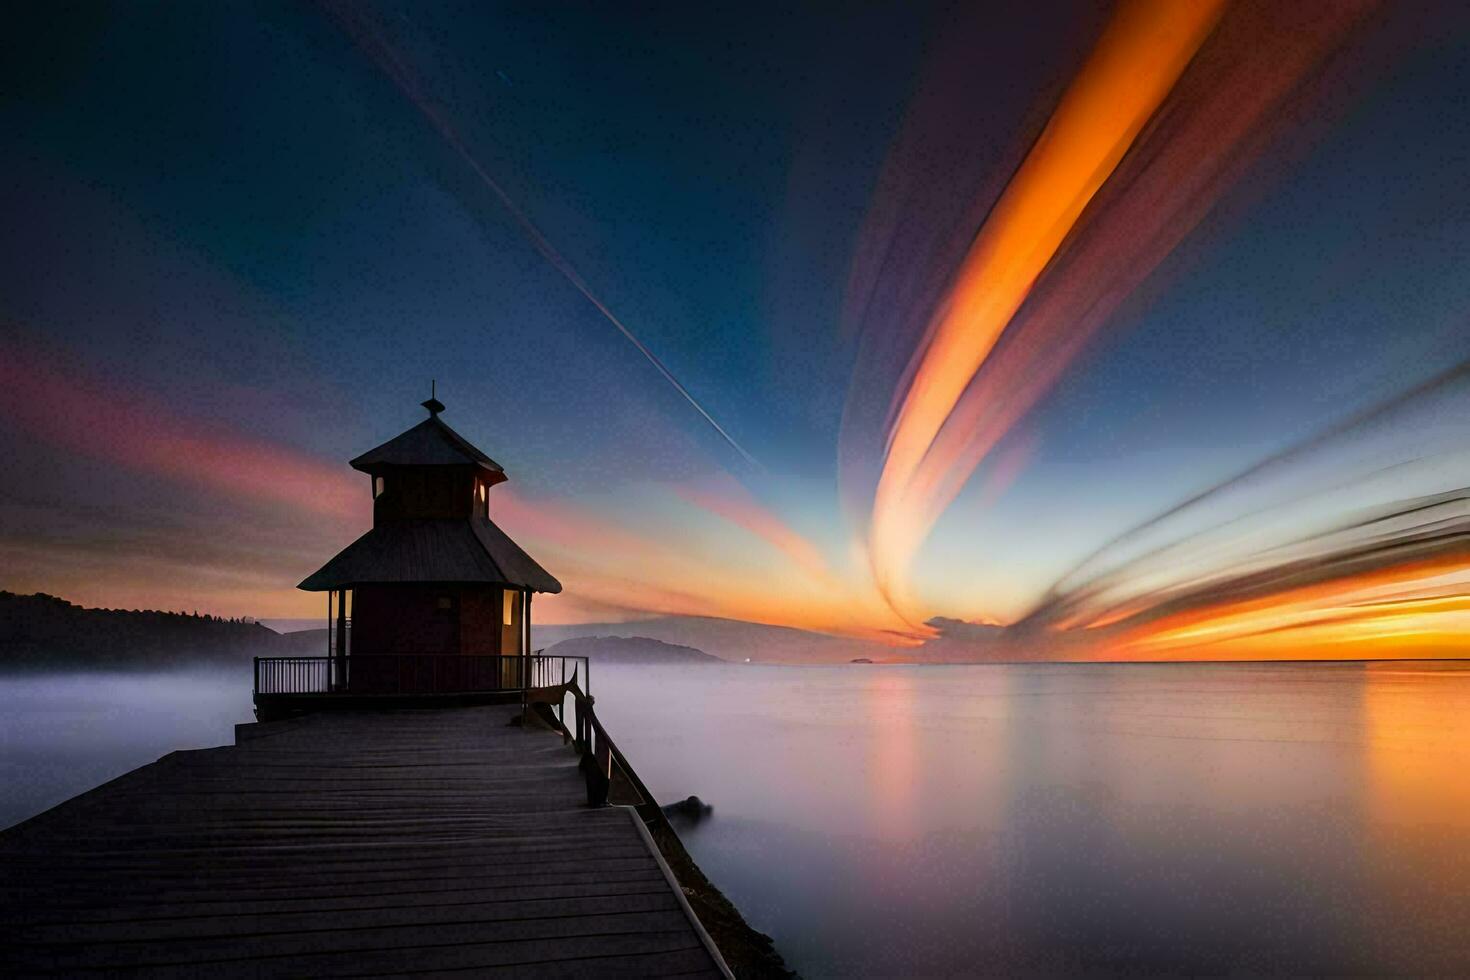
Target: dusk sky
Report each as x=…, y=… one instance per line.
x=1141, y=332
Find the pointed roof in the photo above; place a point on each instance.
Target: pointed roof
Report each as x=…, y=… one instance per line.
x=451, y=550
x=430, y=443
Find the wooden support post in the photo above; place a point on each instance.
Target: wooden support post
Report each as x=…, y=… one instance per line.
x=341, y=653
x=598, y=775
x=330, y=662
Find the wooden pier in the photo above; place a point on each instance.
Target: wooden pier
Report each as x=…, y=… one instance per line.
x=385, y=816
x=446, y=840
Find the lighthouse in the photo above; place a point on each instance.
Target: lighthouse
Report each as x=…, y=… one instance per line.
x=435, y=582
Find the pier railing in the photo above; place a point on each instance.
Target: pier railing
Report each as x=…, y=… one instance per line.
x=604, y=766
x=414, y=674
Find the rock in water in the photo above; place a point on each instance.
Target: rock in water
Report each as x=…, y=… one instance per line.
x=690, y=810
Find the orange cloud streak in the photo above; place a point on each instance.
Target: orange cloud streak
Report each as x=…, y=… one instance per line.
x=605, y=562
x=726, y=498
x=1136, y=62
x=1226, y=107
x=1395, y=611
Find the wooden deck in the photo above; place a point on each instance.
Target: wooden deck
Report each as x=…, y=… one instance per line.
x=348, y=844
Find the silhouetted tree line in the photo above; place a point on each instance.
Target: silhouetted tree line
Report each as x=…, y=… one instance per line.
x=43, y=631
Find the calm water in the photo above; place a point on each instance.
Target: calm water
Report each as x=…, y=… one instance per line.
x=62, y=734
x=938, y=820
x=942, y=820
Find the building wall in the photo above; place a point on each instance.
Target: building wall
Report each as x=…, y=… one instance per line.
x=404, y=619
x=414, y=619
x=479, y=623
x=413, y=492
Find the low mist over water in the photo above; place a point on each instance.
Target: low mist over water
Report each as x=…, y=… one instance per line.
x=62, y=734
x=1001, y=819
x=929, y=820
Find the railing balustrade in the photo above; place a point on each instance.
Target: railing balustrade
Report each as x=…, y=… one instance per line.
x=411, y=674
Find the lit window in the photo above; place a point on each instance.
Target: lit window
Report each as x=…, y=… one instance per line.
x=446, y=602
x=509, y=616
x=377, y=486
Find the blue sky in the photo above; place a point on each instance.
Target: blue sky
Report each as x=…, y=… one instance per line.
x=231, y=215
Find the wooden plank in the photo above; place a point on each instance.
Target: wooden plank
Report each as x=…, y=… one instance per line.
x=237, y=923
x=530, y=888
x=205, y=890
x=674, y=963
x=528, y=954
x=339, y=844
x=325, y=939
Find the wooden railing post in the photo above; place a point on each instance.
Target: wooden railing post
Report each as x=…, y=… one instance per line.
x=561, y=705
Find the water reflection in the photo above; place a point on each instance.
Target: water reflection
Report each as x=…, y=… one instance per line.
x=1161, y=818
x=1417, y=810
x=892, y=751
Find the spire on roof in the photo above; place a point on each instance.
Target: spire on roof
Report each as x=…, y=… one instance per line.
x=434, y=405
x=430, y=443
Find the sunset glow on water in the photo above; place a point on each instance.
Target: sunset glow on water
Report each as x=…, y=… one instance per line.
x=1164, y=819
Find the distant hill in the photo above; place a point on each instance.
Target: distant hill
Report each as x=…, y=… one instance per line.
x=727, y=639
x=39, y=632
x=44, y=632
x=629, y=650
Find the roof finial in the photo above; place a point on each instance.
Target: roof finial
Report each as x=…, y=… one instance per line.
x=434, y=405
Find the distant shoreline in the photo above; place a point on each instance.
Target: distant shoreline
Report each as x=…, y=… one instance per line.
x=40, y=633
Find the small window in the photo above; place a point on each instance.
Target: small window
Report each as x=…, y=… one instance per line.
x=377, y=487
x=446, y=602
x=509, y=616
